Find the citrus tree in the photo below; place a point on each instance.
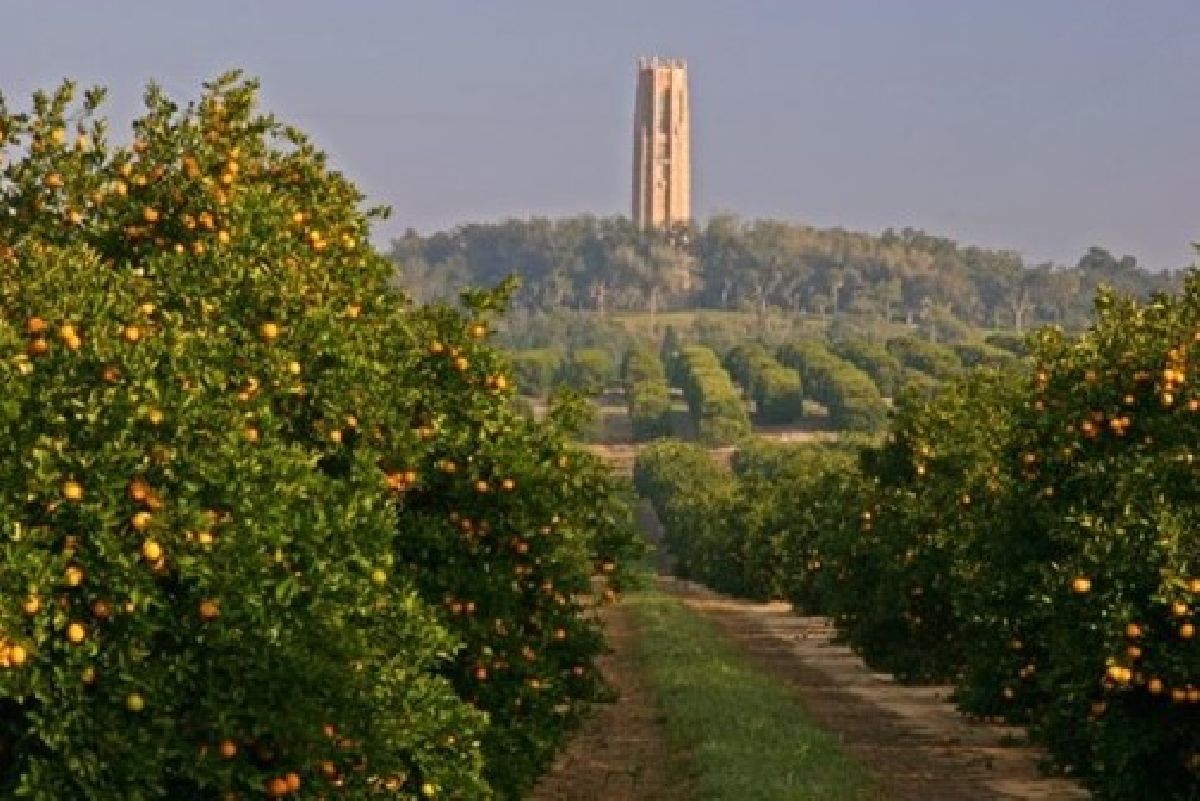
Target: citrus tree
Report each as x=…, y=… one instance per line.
x=226, y=442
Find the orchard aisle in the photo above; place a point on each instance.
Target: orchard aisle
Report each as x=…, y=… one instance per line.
x=912, y=739
x=621, y=753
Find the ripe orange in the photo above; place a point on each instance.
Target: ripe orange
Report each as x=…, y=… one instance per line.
x=1133, y=630
x=76, y=633
x=268, y=331
x=17, y=655
x=32, y=605
x=1081, y=585
x=151, y=551
x=293, y=782
x=1187, y=631
x=73, y=575
x=228, y=749
x=134, y=702
x=141, y=521
x=131, y=333
x=209, y=609
x=139, y=490
x=276, y=787
x=72, y=491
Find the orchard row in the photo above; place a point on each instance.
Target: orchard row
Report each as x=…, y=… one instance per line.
x=268, y=528
x=1029, y=534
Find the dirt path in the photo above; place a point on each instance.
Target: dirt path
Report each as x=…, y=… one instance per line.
x=621, y=753
x=915, y=742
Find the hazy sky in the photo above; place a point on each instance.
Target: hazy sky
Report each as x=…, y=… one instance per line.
x=1040, y=125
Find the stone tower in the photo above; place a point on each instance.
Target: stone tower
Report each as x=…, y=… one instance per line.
x=662, y=159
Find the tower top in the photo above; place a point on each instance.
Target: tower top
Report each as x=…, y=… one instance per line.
x=655, y=62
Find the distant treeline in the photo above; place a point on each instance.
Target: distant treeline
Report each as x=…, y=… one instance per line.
x=606, y=263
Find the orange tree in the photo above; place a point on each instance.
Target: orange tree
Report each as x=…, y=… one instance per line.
x=217, y=420
x=1101, y=541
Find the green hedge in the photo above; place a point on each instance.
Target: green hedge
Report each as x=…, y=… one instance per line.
x=853, y=400
x=716, y=407
x=875, y=360
x=927, y=357
x=534, y=370
x=588, y=370
x=647, y=393
x=775, y=389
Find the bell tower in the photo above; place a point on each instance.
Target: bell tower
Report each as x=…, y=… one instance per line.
x=662, y=159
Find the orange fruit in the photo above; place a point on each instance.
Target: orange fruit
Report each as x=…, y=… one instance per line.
x=151, y=551
x=76, y=633
x=209, y=609
x=17, y=655
x=228, y=749
x=73, y=575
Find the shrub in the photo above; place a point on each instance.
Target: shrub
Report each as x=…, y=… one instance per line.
x=1013, y=343
x=853, y=400
x=875, y=360
x=926, y=357
x=588, y=370
x=774, y=388
x=534, y=370
x=716, y=407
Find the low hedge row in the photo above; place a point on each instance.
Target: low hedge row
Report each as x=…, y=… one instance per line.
x=586, y=370
x=927, y=357
x=647, y=393
x=875, y=360
x=716, y=407
x=775, y=389
x=853, y=400
x=534, y=370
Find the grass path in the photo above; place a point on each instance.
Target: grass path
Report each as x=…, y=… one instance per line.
x=745, y=735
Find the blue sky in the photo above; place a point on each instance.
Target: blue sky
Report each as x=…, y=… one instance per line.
x=1041, y=125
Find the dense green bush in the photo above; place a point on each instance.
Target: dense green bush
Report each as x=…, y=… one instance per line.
x=875, y=360
x=534, y=370
x=927, y=357
x=716, y=408
x=853, y=400
x=647, y=393
x=1013, y=343
x=775, y=389
x=587, y=370
x=981, y=354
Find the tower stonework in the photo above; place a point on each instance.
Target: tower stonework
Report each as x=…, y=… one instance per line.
x=662, y=158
